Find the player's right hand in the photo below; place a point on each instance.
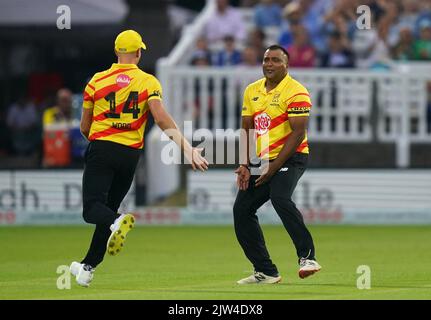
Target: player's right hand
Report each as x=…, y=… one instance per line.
x=243, y=177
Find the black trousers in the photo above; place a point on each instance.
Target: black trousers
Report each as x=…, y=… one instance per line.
x=279, y=189
x=108, y=175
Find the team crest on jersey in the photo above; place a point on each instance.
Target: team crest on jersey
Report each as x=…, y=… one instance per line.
x=276, y=97
x=123, y=80
x=262, y=123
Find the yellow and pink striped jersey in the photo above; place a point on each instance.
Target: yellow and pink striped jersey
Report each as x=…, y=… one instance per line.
x=119, y=97
x=271, y=112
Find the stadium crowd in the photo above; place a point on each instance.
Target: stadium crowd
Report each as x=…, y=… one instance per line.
x=318, y=33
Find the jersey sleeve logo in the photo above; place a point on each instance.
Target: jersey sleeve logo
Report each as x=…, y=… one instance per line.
x=262, y=122
x=123, y=80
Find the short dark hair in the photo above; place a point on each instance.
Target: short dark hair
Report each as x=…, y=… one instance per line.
x=278, y=47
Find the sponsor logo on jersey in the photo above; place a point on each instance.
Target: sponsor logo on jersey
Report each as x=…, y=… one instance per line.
x=261, y=123
x=123, y=80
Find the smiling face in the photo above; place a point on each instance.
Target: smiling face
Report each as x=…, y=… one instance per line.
x=274, y=65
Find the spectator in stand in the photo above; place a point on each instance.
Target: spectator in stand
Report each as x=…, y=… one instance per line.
x=403, y=50
x=292, y=16
x=310, y=14
x=201, y=51
x=395, y=18
x=23, y=124
x=301, y=52
x=200, y=59
x=388, y=23
x=370, y=49
x=313, y=20
x=422, y=46
x=62, y=111
x=267, y=14
x=226, y=21
x=339, y=54
x=57, y=125
x=250, y=57
x=409, y=14
x=424, y=13
x=229, y=56
x=342, y=18
x=256, y=38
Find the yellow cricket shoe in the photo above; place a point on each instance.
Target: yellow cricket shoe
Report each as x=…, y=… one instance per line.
x=121, y=226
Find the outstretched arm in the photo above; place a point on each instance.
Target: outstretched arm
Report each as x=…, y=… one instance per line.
x=163, y=119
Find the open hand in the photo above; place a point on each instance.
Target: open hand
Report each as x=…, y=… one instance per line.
x=243, y=177
x=197, y=160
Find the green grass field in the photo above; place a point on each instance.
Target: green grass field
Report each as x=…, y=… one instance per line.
x=204, y=263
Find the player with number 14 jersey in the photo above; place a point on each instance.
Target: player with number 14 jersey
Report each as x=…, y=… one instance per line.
x=119, y=97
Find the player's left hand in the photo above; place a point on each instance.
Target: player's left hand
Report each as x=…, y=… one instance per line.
x=198, y=161
x=268, y=171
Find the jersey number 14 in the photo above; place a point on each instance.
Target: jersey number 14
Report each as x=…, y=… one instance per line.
x=130, y=106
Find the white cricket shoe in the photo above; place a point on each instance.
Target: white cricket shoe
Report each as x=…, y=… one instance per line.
x=121, y=226
x=74, y=268
x=259, y=277
x=308, y=267
x=85, y=275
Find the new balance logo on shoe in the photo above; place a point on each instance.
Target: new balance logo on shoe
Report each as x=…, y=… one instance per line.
x=261, y=278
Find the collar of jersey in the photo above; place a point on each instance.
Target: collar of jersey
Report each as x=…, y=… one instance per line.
x=282, y=83
x=123, y=65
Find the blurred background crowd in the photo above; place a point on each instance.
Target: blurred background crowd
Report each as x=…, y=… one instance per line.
x=43, y=72
x=318, y=33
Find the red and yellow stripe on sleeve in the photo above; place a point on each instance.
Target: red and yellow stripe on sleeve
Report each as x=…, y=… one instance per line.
x=88, y=101
x=299, y=105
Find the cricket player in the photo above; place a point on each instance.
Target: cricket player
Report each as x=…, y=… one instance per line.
x=117, y=103
x=277, y=107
